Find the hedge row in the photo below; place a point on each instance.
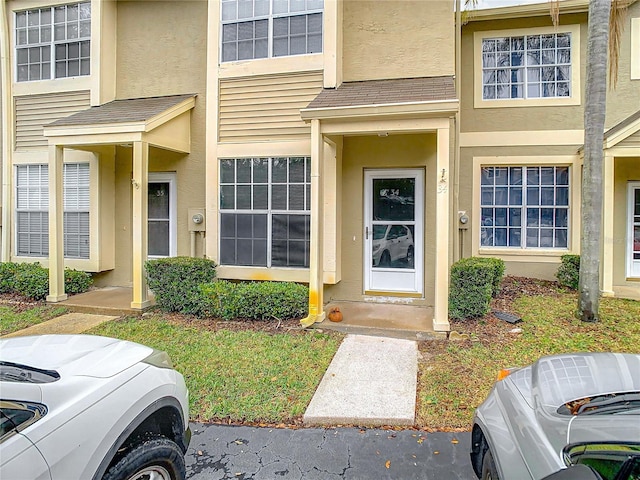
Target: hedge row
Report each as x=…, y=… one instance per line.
x=188, y=285
x=474, y=281
x=32, y=280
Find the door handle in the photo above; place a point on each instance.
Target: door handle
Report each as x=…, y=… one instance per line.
x=366, y=233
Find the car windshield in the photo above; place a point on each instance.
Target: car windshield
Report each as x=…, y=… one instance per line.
x=14, y=372
x=602, y=404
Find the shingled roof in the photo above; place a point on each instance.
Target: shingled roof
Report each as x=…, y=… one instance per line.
x=122, y=111
x=385, y=92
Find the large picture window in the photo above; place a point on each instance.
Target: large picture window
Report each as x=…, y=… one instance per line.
x=270, y=28
x=53, y=42
x=264, y=211
x=32, y=210
x=524, y=207
x=527, y=66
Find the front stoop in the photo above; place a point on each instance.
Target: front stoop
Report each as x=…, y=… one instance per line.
x=370, y=381
x=70, y=323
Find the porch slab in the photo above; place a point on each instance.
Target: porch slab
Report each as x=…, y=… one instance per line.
x=103, y=301
x=370, y=381
x=383, y=319
x=70, y=323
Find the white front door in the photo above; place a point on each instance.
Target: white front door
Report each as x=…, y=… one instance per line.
x=393, y=260
x=633, y=229
x=162, y=215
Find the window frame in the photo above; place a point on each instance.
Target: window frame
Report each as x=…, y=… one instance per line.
x=270, y=17
x=83, y=41
x=270, y=211
x=575, y=90
x=44, y=208
x=528, y=254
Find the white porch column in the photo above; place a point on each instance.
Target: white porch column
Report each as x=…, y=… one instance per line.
x=608, y=206
x=140, y=186
x=441, y=307
x=56, y=224
x=316, y=286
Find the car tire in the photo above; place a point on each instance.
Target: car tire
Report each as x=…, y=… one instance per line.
x=156, y=457
x=489, y=471
x=385, y=259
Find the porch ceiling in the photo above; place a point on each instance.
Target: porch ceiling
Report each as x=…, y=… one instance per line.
x=409, y=98
x=160, y=121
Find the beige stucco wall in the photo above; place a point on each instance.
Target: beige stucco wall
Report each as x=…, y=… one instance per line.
x=394, y=151
x=625, y=170
x=397, y=39
x=156, y=57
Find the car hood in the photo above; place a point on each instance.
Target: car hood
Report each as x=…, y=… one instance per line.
x=74, y=355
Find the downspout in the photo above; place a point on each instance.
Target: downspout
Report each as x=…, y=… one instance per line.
x=7, y=133
x=457, y=252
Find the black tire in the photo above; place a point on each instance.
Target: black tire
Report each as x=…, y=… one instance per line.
x=410, y=258
x=489, y=471
x=156, y=457
x=385, y=259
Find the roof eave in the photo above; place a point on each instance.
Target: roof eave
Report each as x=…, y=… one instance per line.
x=440, y=107
x=530, y=10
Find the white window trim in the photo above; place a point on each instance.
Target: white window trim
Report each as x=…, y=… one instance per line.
x=574, y=99
x=270, y=17
x=270, y=212
x=171, y=179
x=550, y=255
x=52, y=44
x=635, y=48
x=94, y=262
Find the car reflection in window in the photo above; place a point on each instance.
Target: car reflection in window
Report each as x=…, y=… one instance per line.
x=612, y=461
x=393, y=246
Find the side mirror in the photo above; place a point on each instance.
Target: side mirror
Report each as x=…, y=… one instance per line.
x=575, y=472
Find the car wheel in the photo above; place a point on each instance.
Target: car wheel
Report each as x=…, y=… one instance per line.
x=157, y=458
x=489, y=471
x=410, y=257
x=385, y=259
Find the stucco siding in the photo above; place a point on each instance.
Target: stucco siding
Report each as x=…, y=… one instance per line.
x=385, y=39
x=32, y=112
x=266, y=107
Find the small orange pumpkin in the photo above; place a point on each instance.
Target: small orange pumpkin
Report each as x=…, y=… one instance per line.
x=335, y=315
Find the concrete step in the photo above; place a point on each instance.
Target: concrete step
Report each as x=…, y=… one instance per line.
x=69, y=323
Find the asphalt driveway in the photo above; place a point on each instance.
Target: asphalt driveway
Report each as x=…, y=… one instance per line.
x=220, y=452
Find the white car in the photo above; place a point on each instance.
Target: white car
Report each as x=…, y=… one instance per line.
x=90, y=408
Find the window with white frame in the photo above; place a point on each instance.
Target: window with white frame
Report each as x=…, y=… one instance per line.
x=524, y=207
x=32, y=210
x=265, y=208
x=53, y=42
x=526, y=66
x=270, y=28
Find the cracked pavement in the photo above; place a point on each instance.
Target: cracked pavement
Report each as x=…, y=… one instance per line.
x=221, y=452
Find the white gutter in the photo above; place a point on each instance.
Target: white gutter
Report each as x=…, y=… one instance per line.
x=7, y=132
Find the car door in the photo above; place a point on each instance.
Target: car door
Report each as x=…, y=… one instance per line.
x=20, y=457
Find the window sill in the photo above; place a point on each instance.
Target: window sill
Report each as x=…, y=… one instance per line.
x=542, y=255
x=263, y=273
x=69, y=84
x=528, y=102
x=85, y=265
x=270, y=66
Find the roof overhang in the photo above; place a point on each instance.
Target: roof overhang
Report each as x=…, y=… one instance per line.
x=162, y=122
x=433, y=108
x=623, y=130
x=530, y=10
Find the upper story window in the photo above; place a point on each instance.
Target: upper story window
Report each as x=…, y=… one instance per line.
x=53, y=42
x=527, y=66
x=270, y=28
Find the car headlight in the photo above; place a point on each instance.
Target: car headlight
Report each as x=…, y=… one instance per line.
x=159, y=359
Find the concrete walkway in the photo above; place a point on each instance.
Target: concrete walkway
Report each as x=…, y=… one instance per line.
x=370, y=381
x=69, y=323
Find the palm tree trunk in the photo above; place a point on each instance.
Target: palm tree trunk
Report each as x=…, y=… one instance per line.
x=594, y=118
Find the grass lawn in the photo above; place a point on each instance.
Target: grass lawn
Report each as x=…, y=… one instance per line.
x=455, y=377
x=14, y=317
x=241, y=375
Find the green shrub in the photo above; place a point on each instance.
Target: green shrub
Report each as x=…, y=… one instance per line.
x=32, y=281
x=175, y=282
x=76, y=281
x=254, y=300
x=8, y=277
x=568, y=273
x=473, y=282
